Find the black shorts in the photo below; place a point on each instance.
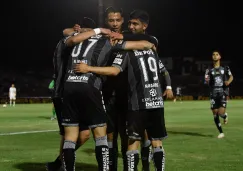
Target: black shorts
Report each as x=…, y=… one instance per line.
x=151, y=120
x=218, y=101
x=58, y=104
x=83, y=105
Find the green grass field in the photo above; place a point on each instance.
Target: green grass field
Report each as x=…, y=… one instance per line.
x=192, y=144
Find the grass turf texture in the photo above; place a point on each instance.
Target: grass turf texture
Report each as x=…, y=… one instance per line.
x=192, y=144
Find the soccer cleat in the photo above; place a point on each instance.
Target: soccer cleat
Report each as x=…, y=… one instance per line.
x=52, y=166
x=221, y=135
x=226, y=119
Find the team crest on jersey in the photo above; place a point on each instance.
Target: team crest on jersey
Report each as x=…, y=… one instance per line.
x=153, y=92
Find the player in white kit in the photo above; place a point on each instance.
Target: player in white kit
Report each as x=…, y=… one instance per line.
x=12, y=95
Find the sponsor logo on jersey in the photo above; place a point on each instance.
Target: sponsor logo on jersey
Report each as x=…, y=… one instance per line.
x=154, y=104
x=76, y=78
x=144, y=52
x=117, y=61
x=151, y=85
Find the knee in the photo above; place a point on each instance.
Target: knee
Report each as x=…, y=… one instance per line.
x=84, y=136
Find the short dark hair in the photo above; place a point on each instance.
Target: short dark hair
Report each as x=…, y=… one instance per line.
x=143, y=16
x=217, y=50
x=88, y=23
x=113, y=10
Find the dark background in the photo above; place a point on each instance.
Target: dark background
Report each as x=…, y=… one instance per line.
x=185, y=28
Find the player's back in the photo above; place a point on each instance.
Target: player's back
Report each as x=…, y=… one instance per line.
x=94, y=51
x=145, y=90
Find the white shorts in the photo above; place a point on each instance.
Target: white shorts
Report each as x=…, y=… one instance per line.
x=12, y=97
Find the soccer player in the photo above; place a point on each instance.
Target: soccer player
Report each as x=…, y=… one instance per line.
x=82, y=100
x=51, y=88
x=60, y=60
x=115, y=92
x=12, y=95
x=218, y=78
x=145, y=101
x=138, y=27
x=178, y=94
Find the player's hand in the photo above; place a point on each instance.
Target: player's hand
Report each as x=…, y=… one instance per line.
x=168, y=93
x=148, y=45
x=113, y=42
x=81, y=68
x=226, y=83
x=77, y=28
x=207, y=79
x=105, y=31
x=116, y=36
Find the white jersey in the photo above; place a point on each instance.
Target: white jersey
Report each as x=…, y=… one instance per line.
x=12, y=91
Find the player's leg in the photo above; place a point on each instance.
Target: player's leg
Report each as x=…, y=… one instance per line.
x=222, y=109
x=97, y=120
x=53, y=112
x=73, y=110
x=136, y=128
x=145, y=152
x=10, y=101
x=157, y=132
x=56, y=165
x=69, y=145
x=112, y=136
x=14, y=99
x=122, y=129
x=214, y=108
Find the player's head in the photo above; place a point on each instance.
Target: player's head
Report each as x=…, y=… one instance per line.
x=114, y=19
x=138, y=21
x=216, y=55
x=12, y=85
x=88, y=23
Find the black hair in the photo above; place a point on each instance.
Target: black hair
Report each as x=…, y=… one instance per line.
x=113, y=10
x=143, y=16
x=88, y=23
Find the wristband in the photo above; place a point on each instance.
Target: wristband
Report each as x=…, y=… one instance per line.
x=168, y=87
x=97, y=30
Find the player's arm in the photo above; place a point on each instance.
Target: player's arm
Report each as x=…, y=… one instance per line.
x=206, y=76
x=134, y=37
x=109, y=71
x=75, y=29
x=164, y=72
x=228, y=82
x=119, y=64
x=133, y=45
x=73, y=40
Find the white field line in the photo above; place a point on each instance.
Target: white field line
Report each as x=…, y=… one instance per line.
x=26, y=132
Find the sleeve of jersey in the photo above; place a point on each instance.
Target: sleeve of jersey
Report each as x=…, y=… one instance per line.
x=228, y=70
x=67, y=37
x=161, y=67
x=120, y=61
